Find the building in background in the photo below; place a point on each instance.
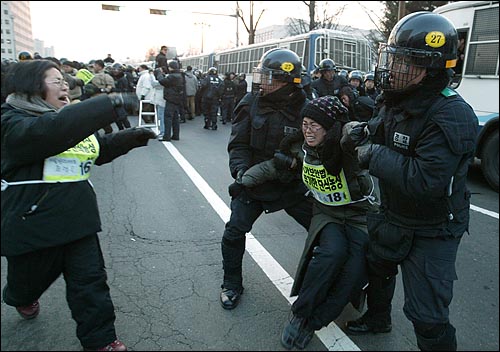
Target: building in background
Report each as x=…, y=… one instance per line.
x=8, y=42
x=43, y=50
x=17, y=33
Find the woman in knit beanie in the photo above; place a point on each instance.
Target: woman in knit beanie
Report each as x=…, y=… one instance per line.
x=326, y=116
x=331, y=272
x=332, y=269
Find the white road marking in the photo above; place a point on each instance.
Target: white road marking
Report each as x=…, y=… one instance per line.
x=484, y=211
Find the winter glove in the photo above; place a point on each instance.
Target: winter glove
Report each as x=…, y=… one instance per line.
x=129, y=101
x=136, y=137
x=235, y=189
x=365, y=153
x=283, y=161
x=143, y=97
x=354, y=134
x=240, y=174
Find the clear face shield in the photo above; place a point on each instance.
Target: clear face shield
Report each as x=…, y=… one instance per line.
x=399, y=68
x=266, y=81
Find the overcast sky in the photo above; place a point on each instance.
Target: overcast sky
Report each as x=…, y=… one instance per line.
x=82, y=31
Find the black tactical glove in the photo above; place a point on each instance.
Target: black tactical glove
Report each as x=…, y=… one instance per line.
x=129, y=101
x=283, y=161
x=235, y=189
x=331, y=153
x=137, y=136
x=354, y=134
x=365, y=153
x=240, y=174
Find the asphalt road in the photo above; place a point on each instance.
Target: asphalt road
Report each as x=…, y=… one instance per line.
x=161, y=235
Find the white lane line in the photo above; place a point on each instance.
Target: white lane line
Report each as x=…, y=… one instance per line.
x=331, y=336
x=484, y=211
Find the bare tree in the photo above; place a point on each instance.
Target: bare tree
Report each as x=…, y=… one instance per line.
x=327, y=19
x=330, y=20
x=371, y=16
x=312, y=14
x=251, y=27
x=392, y=9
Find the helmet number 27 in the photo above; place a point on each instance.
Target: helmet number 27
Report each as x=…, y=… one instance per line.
x=435, y=39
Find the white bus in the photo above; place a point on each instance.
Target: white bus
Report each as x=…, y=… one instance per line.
x=347, y=50
x=477, y=80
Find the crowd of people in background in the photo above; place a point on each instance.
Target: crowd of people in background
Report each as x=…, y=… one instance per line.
x=211, y=95
x=177, y=94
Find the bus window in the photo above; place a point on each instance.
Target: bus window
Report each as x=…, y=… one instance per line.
x=459, y=68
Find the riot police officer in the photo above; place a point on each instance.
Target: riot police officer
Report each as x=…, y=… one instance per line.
x=261, y=121
x=422, y=144
x=371, y=90
x=24, y=56
x=329, y=83
x=356, y=82
x=211, y=92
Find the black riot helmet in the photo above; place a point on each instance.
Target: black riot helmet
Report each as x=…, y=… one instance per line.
x=24, y=55
x=421, y=40
x=356, y=74
x=117, y=66
x=344, y=73
x=173, y=65
x=327, y=65
x=278, y=64
x=369, y=77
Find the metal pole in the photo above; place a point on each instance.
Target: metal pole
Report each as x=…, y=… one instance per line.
x=401, y=9
x=237, y=32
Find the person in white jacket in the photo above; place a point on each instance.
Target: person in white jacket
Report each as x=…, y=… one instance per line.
x=158, y=99
x=145, y=90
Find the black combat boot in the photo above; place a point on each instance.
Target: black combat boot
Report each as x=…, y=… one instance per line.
x=370, y=323
x=229, y=298
x=291, y=331
x=377, y=319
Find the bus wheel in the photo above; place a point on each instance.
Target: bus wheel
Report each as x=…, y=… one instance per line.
x=489, y=160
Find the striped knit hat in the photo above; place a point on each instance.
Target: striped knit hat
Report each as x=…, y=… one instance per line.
x=325, y=111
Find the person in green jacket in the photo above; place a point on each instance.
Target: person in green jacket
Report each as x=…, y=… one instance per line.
x=332, y=269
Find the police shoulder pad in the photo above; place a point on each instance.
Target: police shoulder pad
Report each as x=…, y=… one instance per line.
x=448, y=92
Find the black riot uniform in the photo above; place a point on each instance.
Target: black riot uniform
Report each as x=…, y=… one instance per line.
x=211, y=92
x=423, y=142
x=326, y=86
x=260, y=123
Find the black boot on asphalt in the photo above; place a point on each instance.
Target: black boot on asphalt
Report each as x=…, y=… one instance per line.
x=305, y=336
x=368, y=324
x=230, y=298
x=291, y=331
